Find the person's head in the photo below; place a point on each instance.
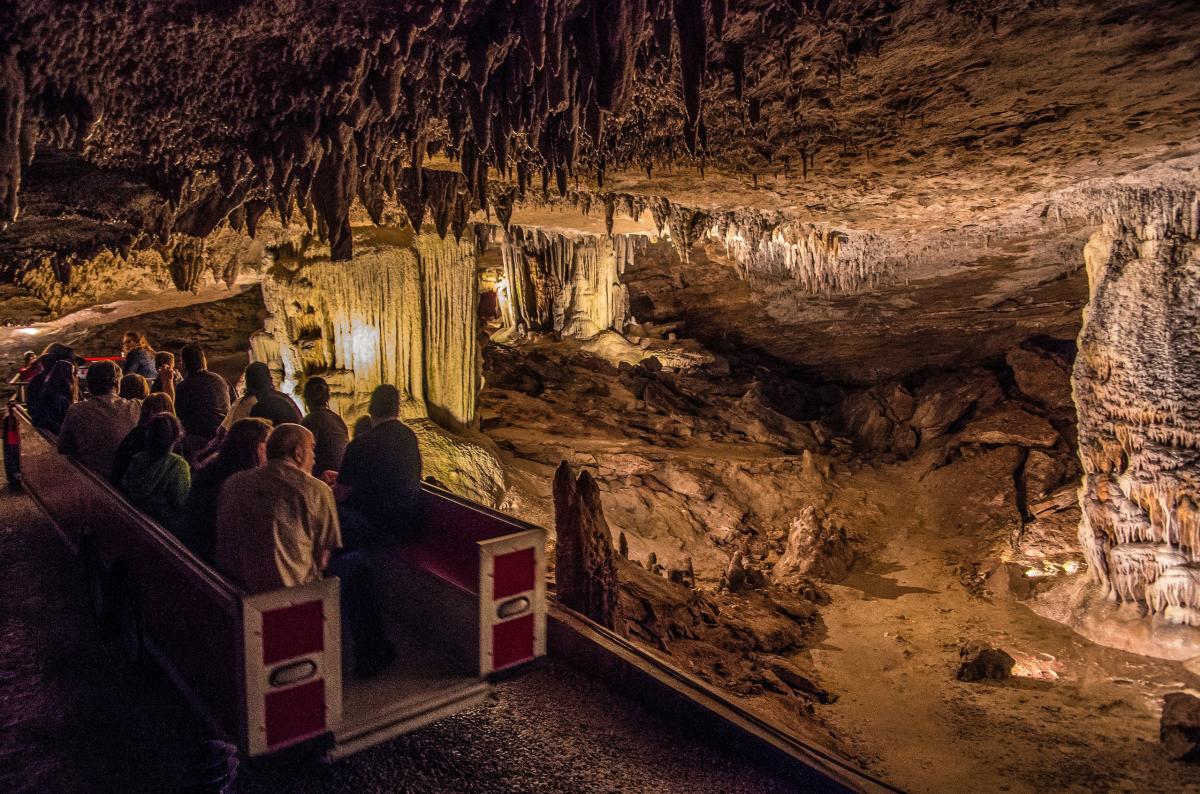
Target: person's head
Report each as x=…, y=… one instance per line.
x=258, y=379
x=134, y=387
x=193, y=359
x=385, y=403
x=29, y=357
x=362, y=425
x=316, y=393
x=102, y=377
x=155, y=404
x=292, y=443
x=163, y=358
x=62, y=379
x=133, y=340
x=163, y=431
x=244, y=446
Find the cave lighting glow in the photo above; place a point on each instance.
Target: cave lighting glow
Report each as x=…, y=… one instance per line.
x=29, y=331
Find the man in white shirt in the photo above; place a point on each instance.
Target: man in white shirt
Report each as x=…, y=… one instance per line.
x=94, y=428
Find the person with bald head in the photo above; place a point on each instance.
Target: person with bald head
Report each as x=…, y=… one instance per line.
x=277, y=527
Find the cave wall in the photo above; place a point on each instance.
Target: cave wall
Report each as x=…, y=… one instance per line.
x=565, y=282
x=393, y=314
x=1136, y=384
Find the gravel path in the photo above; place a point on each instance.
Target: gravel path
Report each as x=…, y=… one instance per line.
x=75, y=719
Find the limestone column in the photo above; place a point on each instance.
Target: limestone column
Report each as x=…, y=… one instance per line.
x=1136, y=385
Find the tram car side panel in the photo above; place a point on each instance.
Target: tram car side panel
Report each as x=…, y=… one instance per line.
x=163, y=602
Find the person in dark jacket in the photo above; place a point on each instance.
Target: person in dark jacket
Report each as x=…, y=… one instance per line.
x=135, y=440
x=244, y=447
x=326, y=426
x=201, y=401
x=53, y=353
x=379, y=484
x=158, y=480
x=270, y=403
x=168, y=377
x=139, y=358
x=60, y=392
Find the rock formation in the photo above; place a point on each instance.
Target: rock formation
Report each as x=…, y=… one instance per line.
x=585, y=568
x=567, y=283
x=1137, y=389
x=815, y=550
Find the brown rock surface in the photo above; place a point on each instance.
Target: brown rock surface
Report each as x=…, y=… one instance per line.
x=1180, y=731
x=1041, y=376
x=1009, y=425
x=585, y=573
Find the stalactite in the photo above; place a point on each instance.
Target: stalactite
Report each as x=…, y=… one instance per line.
x=565, y=283
x=12, y=107
x=1137, y=389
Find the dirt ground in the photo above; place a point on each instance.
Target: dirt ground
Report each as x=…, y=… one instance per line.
x=1077, y=717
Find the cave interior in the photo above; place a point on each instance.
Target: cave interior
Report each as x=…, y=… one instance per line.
x=873, y=323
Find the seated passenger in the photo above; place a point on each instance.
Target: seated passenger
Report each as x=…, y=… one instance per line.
x=158, y=479
x=256, y=380
x=201, y=401
x=53, y=353
x=139, y=358
x=57, y=395
x=243, y=448
x=135, y=441
x=274, y=405
x=134, y=387
x=277, y=527
x=362, y=425
x=94, y=428
x=325, y=425
x=379, y=484
x=167, y=377
x=29, y=367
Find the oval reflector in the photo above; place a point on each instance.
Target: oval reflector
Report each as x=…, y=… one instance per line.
x=512, y=607
x=291, y=673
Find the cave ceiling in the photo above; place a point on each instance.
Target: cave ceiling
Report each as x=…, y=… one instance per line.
x=935, y=133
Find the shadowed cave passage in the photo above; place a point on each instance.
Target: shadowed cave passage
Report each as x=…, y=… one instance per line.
x=866, y=330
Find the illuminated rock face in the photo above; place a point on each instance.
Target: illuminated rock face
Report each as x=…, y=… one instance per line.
x=395, y=314
x=565, y=283
x=399, y=315
x=1137, y=387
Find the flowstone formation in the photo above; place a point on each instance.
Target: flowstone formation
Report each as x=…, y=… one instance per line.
x=402, y=311
x=566, y=283
x=585, y=573
x=1137, y=388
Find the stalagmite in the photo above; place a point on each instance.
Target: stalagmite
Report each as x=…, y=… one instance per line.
x=1137, y=388
x=585, y=572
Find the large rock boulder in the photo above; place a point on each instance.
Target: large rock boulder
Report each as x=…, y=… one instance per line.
x=984, y=663
x=586, y=573
x=1010, y=425
x=945, y=399
x=1041, y=377
x=815, y=550
x=1179, y=730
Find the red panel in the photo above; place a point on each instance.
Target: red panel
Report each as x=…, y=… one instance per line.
x=514, y=573
x=293, y=631
x=512, y=642
x=296, y=713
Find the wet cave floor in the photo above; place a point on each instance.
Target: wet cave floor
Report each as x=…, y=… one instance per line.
x=1075, y=716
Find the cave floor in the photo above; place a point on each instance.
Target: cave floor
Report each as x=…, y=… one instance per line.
x=1076, y=716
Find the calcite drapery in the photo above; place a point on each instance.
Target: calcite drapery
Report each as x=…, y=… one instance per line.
x=402, y=311
x=569, y=283
x=1137, y=388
